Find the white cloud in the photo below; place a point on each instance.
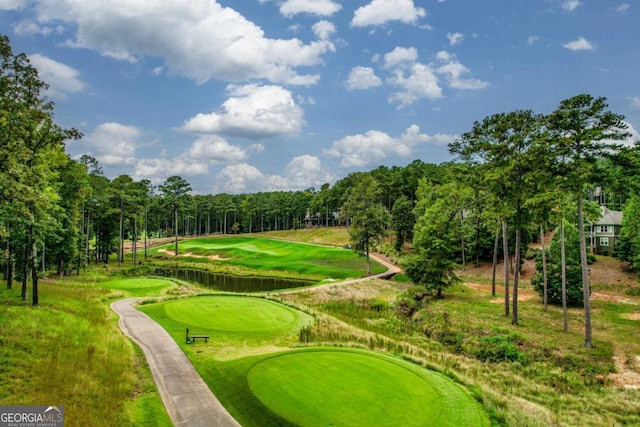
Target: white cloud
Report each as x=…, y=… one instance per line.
x=454, y=71
x=580, y=44
x=12, y=4
x=571, y=5
x=214, y=149
x=61, y=78
x=531, y=40
x=206, y=40
x=238, y=179
x=324, y=29
x=400, y=56
x=254, y=112
x=306, y=171
x=635, y=101
x=418, y=82
x=28, y=27
x=379, y=12
x=362, y=78
x=455, y=38
x=113, y=144
x=290, y=8
x=623, y=7
x=158, y=170
x=374, y=146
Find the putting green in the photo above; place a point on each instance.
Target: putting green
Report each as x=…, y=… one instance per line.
x=237, y=315
x=355, y=388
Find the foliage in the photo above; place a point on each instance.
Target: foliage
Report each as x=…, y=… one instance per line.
x=499, y=348
x=628, y=247
x=575, y=293
x=367, y=216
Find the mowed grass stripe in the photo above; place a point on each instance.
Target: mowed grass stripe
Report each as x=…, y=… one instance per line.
x=259, y=254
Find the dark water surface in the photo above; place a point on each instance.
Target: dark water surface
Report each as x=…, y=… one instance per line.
x=226, y=282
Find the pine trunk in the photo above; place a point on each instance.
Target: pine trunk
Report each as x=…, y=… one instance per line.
x=588, y=343
x=505, y=247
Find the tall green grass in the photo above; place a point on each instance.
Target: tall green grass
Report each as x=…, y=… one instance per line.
x=70, y=352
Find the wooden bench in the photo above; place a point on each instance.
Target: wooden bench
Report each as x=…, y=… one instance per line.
x=194, y=337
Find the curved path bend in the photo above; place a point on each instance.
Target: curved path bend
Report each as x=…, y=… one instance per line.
x=184, y=393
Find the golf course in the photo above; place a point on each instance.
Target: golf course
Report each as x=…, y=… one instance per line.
x=310, y=386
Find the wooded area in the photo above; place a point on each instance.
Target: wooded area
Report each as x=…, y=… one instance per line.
x=516, y=175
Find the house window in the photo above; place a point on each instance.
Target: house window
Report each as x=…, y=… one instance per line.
x=604, y=241
x=604, y=228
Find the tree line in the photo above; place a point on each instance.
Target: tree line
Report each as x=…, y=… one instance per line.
x=516, y=176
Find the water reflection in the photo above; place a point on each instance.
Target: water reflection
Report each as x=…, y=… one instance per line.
x=226, y=282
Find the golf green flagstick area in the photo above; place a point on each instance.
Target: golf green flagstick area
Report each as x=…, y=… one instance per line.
x=306, y=387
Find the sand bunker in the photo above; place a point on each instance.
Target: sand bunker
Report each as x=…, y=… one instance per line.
x=189, y=254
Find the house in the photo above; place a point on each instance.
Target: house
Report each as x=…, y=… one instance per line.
x=606, y=231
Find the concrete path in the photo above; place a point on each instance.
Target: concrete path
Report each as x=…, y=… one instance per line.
x=186, y=396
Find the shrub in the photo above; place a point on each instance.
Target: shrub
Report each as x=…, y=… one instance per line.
x=499, y=348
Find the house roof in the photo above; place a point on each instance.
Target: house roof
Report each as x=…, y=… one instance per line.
x=610, y=217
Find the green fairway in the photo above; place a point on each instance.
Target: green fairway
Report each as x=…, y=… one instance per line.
x=228, y=318
x=140, y=286
x=356, y=388
x=268, y=255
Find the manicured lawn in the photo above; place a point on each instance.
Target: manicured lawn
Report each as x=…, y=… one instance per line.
x=268, y=255
x=140, y=286
x=307, y=387
x=229, y=320
x=356, y=388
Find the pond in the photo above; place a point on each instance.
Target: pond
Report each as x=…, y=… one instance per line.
x=229, y=283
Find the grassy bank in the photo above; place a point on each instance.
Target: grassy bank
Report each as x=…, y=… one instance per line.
x=70, y=352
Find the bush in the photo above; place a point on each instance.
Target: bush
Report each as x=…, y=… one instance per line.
x=500, y=349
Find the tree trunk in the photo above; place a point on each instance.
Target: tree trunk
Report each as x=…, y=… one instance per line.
x=25, y=267
x=464, y=260
x=563, y=267
x=516, y=279
x=505, y=249
x=34, y=272
x=175, y=213
x=9, y=266
x=544, y=269
x=120, y=239
x=368, y=261
x=585, y=277
x=134, y=246
x=495, y=263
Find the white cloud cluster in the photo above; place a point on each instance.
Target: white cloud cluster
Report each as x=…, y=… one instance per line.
x=362, y=78
x=205, y=40
x=323, y=30
x=113, y=144
x=290, y=8
x=635, y=101
x=61, y=78
x=414, y=80
x=579, y=44
x=379, y=12
x=455, y=72
x=371, y=148
x=531, y=40
x=302, y=172
x=253, y=112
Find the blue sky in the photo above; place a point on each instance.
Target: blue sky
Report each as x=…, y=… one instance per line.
x=264, y=95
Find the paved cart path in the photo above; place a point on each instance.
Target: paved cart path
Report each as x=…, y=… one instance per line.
x=186, y=396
